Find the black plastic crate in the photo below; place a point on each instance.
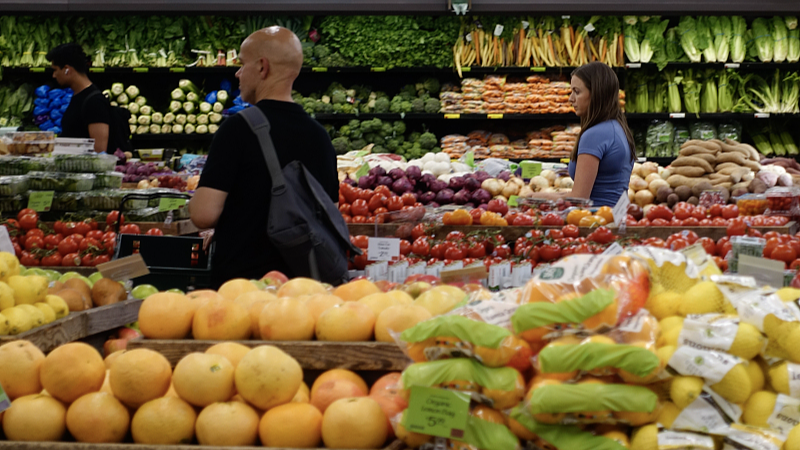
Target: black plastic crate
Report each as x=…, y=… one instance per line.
x=174, y=261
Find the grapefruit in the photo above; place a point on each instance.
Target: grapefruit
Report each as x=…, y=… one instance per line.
x=220, y=321
x=166, y=316
x=301, y=286
x=140, y=375
x=354, y=423
x=398, y=318
x=339, y=374
x=71, y=371
x=164, y=421
x=202, y=379
x=98, y=418
x=35, y=417
x=356, y=290
x=286, y=320
x=328, y=392
x=351, y=321
x=236, y=287
x=21, y=361
x=202, y=296
x=267, y=377
x=227, y=424
x=233, y=351
x=293, y=425
x=319, y=303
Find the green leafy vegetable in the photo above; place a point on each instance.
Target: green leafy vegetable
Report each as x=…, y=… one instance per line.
x=780, y=36
x=738, y=47
x=762, y=35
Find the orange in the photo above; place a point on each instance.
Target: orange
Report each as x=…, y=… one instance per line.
x=328, y=392
x=227, y=424
x=539, y=291
x=302, y=395
x=351, y=321
x=233, y=351
x=356, y=290
x=496, y=357
x=605, y=318
x=221, y=320
x=254, y=302
x=35, y=417
x=631, y=378
x=236, y=287
x=488, y=414
x=267, y=377
x=338, y=374
x=398, y=318
x=410, y=438
x=286, y=320
x=21, y=361
x=164, y=421
x=301, y=286
x=203, y=296
x=139, y=376
x=166, y=316
x=293, y=425
x=72, y=370
x=202, y=379
x=379, y=302
x=109, y=360
x=319, y=303
x=354, y=423
x=574, y=217
x=650, y=331
x=636, y=418
x=98, y=418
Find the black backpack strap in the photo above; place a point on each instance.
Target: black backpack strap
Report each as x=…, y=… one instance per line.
x=259, y=123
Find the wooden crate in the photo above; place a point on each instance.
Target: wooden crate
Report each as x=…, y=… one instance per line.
x=314, y=355
x=80, y=324
x=20, y=445
x=176, y=228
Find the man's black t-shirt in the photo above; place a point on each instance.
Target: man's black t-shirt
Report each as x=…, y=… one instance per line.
x=77, y=117
x=236, y=165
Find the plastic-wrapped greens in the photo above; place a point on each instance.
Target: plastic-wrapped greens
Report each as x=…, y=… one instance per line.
x=142, y=129
x=218, y=107
x=140, y=100
x=122, y=99
x=175, y=106
x=730, y=130
x=189, y=107
x=132, y=91
x=146, y=110
x=215, y=117
x=177, y=128
x=660, y=136
x=117, y=89
x=192, y=97
x=681, y=135
x=166, y=128
x=144, y=120
x=703, y=130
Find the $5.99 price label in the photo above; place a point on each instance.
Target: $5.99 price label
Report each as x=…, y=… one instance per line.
x=437, y=412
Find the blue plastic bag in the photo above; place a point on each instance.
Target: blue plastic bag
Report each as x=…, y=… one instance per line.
x=225, y=85
x=56, y=114
x=41, y=110
x=211, y=98
x=56, y=103
x=56, y=130
x=42, y=90
x=64, y=108
x=55, y=93
x=58, y=122
x=47, y=125
x=41, y=102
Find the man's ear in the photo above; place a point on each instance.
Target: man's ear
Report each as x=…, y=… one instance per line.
x=264, y=68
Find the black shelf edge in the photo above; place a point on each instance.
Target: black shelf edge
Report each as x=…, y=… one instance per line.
x=447, y=116
x=169, y=137
x=714, y=116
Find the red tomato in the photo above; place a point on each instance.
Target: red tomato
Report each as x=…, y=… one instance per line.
x=476, y=215
x=344, y=208
x=550, y=252
x=88, y=260
x=89, y=243
x=109, y=235
x=24, y=212
x=730, y=211
x=360, y=241
x=101, y=259
x=383, y=190
x=113, y=216
x=715, y=211
x=752, y=232
x=571, y=231
x=365, y=194
x=359, y=219
x=736, y=229
x=29, y=259
x=405, y=247
x=477, y=250
x=53, y=259
x=678, y=244
x=719, y=222
x=683, y=213
x=552, y=220
x=51, y=241
x=360, y=261
x=130, y=228
x=455, y=253
x=659, y=223
x=437, y=251
x=654, y=242
x=659, y=212
x=359, y=207
x=523, y=220
x=705, y=222
x=554, y=234
x=418, y=231
x=67, y=246
x=795, y=244
x=394, y=204
x=700, y=212
x=771, y=245
x=409, y=199
x=795, y=265
x=11, y=224
x=689, y=235
x=378, y=201
x=454, y=236
x=109, y=245
x=602, y=235
x=502, y=251
x=631, y=221
x=150, y=232
x=28, y=221
x=17, y=249
x=33, y=242
x=83, y=228
x=97, y=234
x=691, y=222
x=349, y=192
x=69, y=228
x=784, y=253
x=771, y=234
x=708, y=245
x=721, y=263
x=644, y=223
x=35, y=232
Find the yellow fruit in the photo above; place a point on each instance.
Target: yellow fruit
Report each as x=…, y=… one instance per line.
x=758, y=408
x=36, y=315
x=320, y=303
x=665, y=354
x=702, y=298
x=58, y=304
x=19, y=321
x=378, y=302
x=47, y=310
x=645, y=438
x=164, y=421
x=669, y=323
x=788, y=294
x=401, y=297
x=233, y=351
x=756, y=376
x=669, y=412
x=267, y=377
x=350, y=321
x=286, y=319
x=202, y=379
x=398, y=318
x=98, y=418
x=748, y=342
x=671, y=277
x=685, y=390
x=354, y=290
x=220, y=320
x=72, y=370
x=440, y=299
x=28, y=289
x=354, y=423
x=619, y=437
x=227, y=424
x=11, y=261
x=793, y=440
x=302, y=395
x=670, y=338
x=735, y=386
x=166, y=316
x=35, y=418
x=6, y=296
x=236, y=287
x=140, y=375
x=306, y=286
x=664, y=305
x=293, y=425
x=779, y=377
x=5, y=325
x=790, y=340
x=21, y=362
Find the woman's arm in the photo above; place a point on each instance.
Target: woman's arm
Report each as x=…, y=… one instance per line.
x=585, y=174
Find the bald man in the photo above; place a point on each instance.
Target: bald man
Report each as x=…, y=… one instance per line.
x=233, y=196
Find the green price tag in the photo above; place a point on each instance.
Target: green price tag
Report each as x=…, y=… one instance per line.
x=97, y=69
x=177, y=69
x=538, y=69
x=5, y=402
x=530, y=169
x=379, y=69
x=319, y=69
x=362, y=154
x=466, y=69
x=512, y=201
x=37, y=69
x=40, y=201
x=469, y=159
x=437, y=412
x=364, y=170
x=169, y=204
x=141, y=69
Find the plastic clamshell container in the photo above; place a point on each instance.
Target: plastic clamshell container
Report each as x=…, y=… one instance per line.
x=32, y=142
x=146, y=215
x=85, y=163
x=745, y=245
x=752, y=204
x=20, y=165
x=67, y=201
x=155, y=192
x=783, y=201
x=60, y=181
x=11, y=185
x=14, y=203
x=108, y=180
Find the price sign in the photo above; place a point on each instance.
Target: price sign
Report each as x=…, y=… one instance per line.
x=362, y=171
x=498, y=29
x=494, y=116
x=452, y=116
x=512, y=201
x=633, y=66
x=177, y=69
x=5, y=402
x=530, y=169
x=732, y=65
x=37, y=69
x=170, y=204
x=620, y=210
x=141, y=69
x=383, y=249
x=677, y=115
x=97, y=69
x=467, y=69
x=469, y=159
x=40, y=201
x=761, y=115
x=538, y=69
x=319, y=69
x=379, y=69
x=437, y=412
x=766, y=271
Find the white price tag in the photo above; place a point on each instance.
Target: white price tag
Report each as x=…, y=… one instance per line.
x=732, y=65
x=589, y=27
x=417, y=269
x=468, y=37
x=677, y=115
x=620, y=210
x=498, y=273
x=711, y=366
x=633, y=66
x=378, y=271
x=525, y=24
x=521, y=273
x=565, y=17
x=498, y=29
x=434, y=269
x=5, y=240
x=383, y=249
x=761, y=115
x=398, y=272
x=765, y=271
x=676, y=439
x=709, y=413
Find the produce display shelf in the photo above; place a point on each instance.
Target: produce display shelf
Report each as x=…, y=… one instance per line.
x=449, y=116
x=22, y=445
x=80, y=324
x=314, y=355
x=702, y=116
x=511, y=233
x=171, y=137
x=718, y=65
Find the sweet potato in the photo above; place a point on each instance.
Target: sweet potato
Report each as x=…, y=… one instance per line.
x=689, y=171
x=727, y=165
x=693, y=150
x=710, y=157
x=676, y=181
x=705, y=144
x=734, y=157
x=692, y=161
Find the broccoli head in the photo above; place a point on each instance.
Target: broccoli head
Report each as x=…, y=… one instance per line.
x=406, y=145
x=347, y=108
x=387, y=129
x=354, y=124
x=341, y=144
x=408, y=92
x=329, y=129
x=436, y=150
x=395, y=107
x=376, y=124
x=382, y=105
x=364, y=108
x=371, y=138
x=413, y=137
x=345, y=131
x=399, y=127
x=399, y=138
x=339, y=98
x=308, y=54
x=323, y=108
x=397, y=99
x=337, y=108
x=432, y=106
x=321, y=51
x=427, y=140
x=431, y=85
x=358, y=144
x=392, y=145
x=379, y=149
x=417, y=105
x=405, y=107
x=334, y=88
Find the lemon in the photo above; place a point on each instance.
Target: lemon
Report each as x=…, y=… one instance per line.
x=19, y=320
x=735, y=385
x=665, y=353
x=788, y=294
x=758, y=408
x=756, y=375
x=779, y=378
x=37, y=316
x=669, y=412
x=748, y=342
x=793, y=440
x=58, y=304
x=670, y=322
x=685, y=390
x=672, y=277
x=791, y=342
x=670, y=337
x=5, y=326
x=702, y=298
x=11, y=261
x=47, y=310
x=645, y=438
x=6, y=296
x=31, y=289
x=664, y=305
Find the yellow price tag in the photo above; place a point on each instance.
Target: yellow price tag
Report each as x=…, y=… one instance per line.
x=565, y=160
x=37, y=69
x=538, y=69
x=494, y=116
x=141, y=69
x=466, y=69
x=319, y=69
x=452, y=116
x=379, y=69
x=40, y=201
x=177, y=69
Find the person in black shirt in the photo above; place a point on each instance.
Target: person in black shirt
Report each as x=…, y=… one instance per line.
x=234, y=190
x=89, y=112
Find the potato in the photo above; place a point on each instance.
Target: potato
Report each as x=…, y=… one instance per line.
x=672, y=199
x=757, y=186
x=698, y=188
x=693, y=200
x=655, y=185
x=683, y=192
x=739, y=191
x=662, y=194
x=637, y=183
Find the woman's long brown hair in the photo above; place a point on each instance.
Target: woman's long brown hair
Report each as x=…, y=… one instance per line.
x=603, y=86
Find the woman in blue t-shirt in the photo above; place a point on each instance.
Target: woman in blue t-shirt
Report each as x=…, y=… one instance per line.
x=602, y=160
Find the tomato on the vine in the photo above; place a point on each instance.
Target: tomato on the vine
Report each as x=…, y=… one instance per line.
x=51, y=241
x=405, y=247
x=33, y=242
x=552, y=219
x=82, y=228
x=554, y=234
x=101, y=259
x=550, y=252
x=708, y=245
x=89, y=243
x=455, y=253
x=730, y=211
x=29, y=259
x=502, y=251
x=454, y=236
x=360, y=241
x=715, y=210
x=88, y=260
x=421, y=247
x=53, y=259
x=437, y=251
x=784, y=253
x=130, y=228
x=24, y=212
x=477, y=250
x=67, y=246
x=795, y=265
x=571, y=231
x=152, y=232
x=29, y=221
x=601, y=235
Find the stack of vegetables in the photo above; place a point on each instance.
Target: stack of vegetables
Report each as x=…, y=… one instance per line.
x=384, y=137
x=190, y=112
x=537, y=95
x=16, y=103
x=551, y=142
x=663, y=138
x=50, y=105
x=417, y=98
x=773, y=140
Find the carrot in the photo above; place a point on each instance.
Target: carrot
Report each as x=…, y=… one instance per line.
x=475, y=43
x=620, y=48
x=603, y=49
x=552, y=49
